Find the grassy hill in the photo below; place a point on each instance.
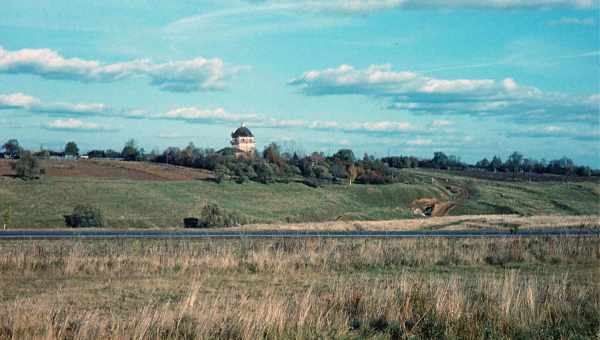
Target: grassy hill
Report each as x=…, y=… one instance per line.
x=156, y=203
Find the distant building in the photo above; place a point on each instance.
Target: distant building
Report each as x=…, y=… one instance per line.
x=242, y=141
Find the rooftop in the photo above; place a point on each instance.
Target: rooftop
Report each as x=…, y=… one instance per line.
x=242, y=131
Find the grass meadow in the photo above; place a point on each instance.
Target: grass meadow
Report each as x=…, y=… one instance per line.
x=128, y=203
x=540, y=288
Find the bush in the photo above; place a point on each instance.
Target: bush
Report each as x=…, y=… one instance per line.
x=28, y=167
x=85, y=216
x=214, y=216
x=192, y=222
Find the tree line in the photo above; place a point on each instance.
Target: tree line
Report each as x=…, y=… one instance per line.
x=274, y=164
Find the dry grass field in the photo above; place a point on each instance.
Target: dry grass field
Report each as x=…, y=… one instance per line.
x=529, y=288
x=465, y=222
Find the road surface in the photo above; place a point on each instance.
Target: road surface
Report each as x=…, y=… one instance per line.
x=207, y=234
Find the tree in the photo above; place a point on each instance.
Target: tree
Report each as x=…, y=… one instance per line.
x=483, y=164
x=345, y=155
x=12, y=148
x=495, y=164
x=272, y=153
x=85, y=216
x=514, y=162
x=352, y=174
x=71, y=149
x=130, y=151
x=440, y=160
x=7, y=217
x=28, y=167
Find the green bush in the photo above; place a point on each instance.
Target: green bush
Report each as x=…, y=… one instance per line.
x=214, y=216
x=85, y=216
x=28, y=167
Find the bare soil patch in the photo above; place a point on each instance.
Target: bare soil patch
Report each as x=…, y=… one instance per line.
x=108, y=169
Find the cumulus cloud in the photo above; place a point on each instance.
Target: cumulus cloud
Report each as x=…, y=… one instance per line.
x=193, y=114
x=76, y=125
x=416, y=93
x=25, y=102
x=221, y=116
x=17, y=101
x=198, y=74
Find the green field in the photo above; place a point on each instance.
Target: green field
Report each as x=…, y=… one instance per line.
x=134, y=203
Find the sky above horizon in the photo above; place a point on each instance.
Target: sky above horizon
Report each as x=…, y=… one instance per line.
x=467, y=77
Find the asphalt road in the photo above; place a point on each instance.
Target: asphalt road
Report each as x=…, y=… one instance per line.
x=206, y=234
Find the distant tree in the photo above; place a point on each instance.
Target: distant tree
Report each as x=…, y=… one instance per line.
x=71, y=149
x=272, y=153
x=514, y=162
x=585, y=171
x=483, y=164
x=352, y=174
x=96, y=154
x=12, y=148
x=495, y=164
x=130, y=151
x=440, y=160
x=28, y=167
x=42, y=154
x=345, y=155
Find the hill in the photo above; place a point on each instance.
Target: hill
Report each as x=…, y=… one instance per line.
x=150, y=195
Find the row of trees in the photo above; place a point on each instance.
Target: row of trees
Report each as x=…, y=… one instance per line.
x=130, y=151
x=270, y=165
x=275, y=164
x=517, y=163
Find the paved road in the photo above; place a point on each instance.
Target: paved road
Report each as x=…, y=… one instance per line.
x=204, y=234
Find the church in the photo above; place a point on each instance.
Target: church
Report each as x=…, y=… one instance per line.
x=242, y=141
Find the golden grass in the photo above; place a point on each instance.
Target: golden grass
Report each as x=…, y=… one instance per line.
x=244, y=289
x=465, y=222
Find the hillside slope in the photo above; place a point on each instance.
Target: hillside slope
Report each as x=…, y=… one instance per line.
x=159, y=203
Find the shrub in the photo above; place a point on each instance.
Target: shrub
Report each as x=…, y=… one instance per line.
x=192, y=222
x=472, y=188
x=214, y=216
x=85, y=216
x=28, y=167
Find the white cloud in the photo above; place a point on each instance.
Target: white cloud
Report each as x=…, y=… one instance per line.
x=419, y=141
x=17, y=100
x=441, y=122
x=573, y=22
x=25, y=102
x=76, y=125
x=554, y=131
x=413, y=92
x=368, y=6
x=198, y=74
x=203, y=115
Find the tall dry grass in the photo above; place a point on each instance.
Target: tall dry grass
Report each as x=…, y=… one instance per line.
x=502, y=288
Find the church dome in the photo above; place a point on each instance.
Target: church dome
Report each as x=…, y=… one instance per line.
x=242, y=131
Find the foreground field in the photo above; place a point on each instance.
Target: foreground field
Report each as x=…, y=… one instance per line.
x=503, y=288
x=149, y=195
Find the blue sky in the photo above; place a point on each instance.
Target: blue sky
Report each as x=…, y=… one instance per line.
x=471, y=78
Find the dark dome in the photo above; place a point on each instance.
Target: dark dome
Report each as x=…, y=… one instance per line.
x=242, y=131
